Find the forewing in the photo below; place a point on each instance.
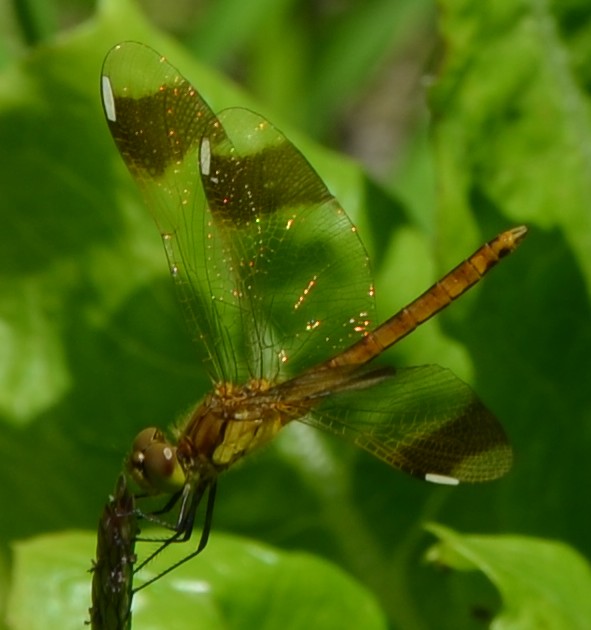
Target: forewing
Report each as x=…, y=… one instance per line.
x=424, y=421
x=270, y=272
x=157, y=120
x=302, y=279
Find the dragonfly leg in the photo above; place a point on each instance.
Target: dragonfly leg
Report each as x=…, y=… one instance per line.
x=152, y=517
x=184, y=529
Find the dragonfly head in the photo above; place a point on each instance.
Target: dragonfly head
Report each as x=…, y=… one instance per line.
x=153, y=463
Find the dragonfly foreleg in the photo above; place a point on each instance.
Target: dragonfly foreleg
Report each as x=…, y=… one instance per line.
x=190, y=500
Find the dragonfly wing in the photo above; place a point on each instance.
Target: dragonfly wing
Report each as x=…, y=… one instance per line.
x=302, y=275
x=270, y=271
x=157, y=120
x=424, y=421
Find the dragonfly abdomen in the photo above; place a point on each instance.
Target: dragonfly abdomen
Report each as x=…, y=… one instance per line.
x=433, y=300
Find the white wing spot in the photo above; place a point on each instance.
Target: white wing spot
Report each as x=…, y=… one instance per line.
x=205, y=156
x=108, y=100
x=442, y=479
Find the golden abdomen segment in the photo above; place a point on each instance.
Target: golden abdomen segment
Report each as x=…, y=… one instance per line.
x=435, y=299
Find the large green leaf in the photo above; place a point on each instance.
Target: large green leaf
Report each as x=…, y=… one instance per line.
x=512, y=138
x=293, y=589
x=543, y=583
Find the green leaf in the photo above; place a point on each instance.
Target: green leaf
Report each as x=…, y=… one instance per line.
x=543, y=583
x=512, y=137
x=236, y=584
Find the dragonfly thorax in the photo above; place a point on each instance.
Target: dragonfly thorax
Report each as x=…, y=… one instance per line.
x=226, y=425
x=231, y=422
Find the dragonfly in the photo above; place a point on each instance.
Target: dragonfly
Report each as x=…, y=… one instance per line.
x=275, y=284
x=112, y=571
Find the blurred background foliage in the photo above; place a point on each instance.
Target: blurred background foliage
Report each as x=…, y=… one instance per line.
x=466, y=119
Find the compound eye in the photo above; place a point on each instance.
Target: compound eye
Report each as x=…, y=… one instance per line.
x=146, y=438
x=153, y=463
x=162, y=468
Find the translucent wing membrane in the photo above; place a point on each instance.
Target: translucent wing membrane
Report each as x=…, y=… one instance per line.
x=269, y=270
x=424, y=421
x=157, y=120
x=300, y=274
